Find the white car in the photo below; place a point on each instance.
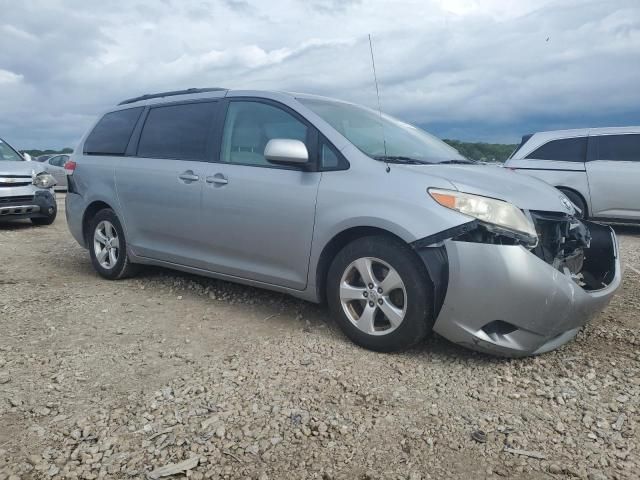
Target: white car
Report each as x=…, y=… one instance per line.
x=597, y=168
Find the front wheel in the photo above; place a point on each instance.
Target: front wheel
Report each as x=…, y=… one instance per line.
x=108, y=246
x=48, y=220
x=380, y=294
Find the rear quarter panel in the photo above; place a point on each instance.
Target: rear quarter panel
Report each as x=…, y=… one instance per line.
x=94, y=180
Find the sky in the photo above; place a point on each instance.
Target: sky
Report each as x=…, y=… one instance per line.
x=473, y=70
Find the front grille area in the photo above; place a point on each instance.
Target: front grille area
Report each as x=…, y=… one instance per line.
x=15, y=180
x=562, y=240
x=16, y=200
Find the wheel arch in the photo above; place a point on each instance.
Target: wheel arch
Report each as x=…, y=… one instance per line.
x=337, y=243
x=563, y=188
x=91, y=210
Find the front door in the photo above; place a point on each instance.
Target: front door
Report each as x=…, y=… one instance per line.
x=614, y=177
x=258, y=217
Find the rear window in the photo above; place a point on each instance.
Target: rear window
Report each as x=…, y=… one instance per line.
x=624, y=148
x=564, y=150
x=177, y=131
x=112, y=133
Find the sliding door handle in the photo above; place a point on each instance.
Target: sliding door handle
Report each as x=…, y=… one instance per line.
x=218, y=179
x=188, y=176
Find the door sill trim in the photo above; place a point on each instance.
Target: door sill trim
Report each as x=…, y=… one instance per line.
x=212, y=274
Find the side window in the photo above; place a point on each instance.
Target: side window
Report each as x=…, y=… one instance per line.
x=179, y=132
x=54, y=160
x=59, y=161
x=248, y=128
x=330, y=159
x=619, y=147
x=111, y=134
x=565, y=150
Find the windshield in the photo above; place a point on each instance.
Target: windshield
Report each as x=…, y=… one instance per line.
x=8, y=153
x=367, y=131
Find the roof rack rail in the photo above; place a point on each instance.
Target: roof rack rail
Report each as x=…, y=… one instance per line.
x=170, y=94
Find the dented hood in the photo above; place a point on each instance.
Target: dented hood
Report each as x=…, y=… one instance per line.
x=20, y=168
x=521, y=190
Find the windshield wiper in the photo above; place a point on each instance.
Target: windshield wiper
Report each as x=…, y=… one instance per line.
x=400, y=159
x=459, y=162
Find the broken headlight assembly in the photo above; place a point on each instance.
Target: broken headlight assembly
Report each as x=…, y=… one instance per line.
x=497, y=216
x=44, y=180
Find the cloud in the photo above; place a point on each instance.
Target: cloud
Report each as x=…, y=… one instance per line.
x=7, y=77
x=488, y=70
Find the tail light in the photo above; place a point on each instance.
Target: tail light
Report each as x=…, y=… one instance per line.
x=70, y=167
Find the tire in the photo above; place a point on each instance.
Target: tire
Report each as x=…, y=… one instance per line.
x=577, y=200
x=380, y=255
x=42, y=221
x=106, y=234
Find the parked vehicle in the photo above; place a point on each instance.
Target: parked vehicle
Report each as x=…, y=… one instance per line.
x=597, y=168
x=55, y=166
x=330, y=201
x=26, y=189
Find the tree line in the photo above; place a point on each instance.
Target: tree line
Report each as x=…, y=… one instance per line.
x=36, y=153
x=483, y=152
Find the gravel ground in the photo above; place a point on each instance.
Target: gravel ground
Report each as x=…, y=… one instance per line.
x=106, y=379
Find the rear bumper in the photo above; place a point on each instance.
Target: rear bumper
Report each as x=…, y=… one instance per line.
x=504, y=300
x=74, y=209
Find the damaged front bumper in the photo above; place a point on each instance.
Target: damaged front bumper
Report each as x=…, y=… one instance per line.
x=506, y=300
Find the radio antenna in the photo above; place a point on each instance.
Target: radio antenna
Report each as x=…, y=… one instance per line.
x=375, y=80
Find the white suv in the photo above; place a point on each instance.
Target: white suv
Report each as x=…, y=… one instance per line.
x=597, y=168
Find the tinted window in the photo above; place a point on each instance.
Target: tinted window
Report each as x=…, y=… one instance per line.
x=250, y=125
x=619, y=147
x=565, y=150
x=112, y=133
x=180, y=132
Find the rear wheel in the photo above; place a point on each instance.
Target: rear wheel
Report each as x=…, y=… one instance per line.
x=380, y=294
x=577, y=200
x=108, y=246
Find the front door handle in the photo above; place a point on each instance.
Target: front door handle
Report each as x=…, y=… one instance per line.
x=188, y=176
x=218, y=179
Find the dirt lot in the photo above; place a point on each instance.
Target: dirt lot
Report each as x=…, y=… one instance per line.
x=106, y=379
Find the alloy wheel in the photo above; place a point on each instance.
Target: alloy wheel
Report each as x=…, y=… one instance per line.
x=373, y=296
x=106, y=244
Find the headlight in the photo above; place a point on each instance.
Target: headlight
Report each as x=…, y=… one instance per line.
x=44, y=180
x=489, y=210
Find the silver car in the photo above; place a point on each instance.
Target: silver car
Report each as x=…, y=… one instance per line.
x=55, y=166
x=597, y=168
x=330, y=201
x=26, y=189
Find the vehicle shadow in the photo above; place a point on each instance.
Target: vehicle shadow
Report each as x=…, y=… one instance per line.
x=21, y=224
x=314, y=317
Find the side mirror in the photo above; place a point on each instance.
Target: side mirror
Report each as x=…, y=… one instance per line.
x=26, y=156
x=286, y=151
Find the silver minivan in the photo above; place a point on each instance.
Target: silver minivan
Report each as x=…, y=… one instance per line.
x=333, y=202
x=597, y=168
